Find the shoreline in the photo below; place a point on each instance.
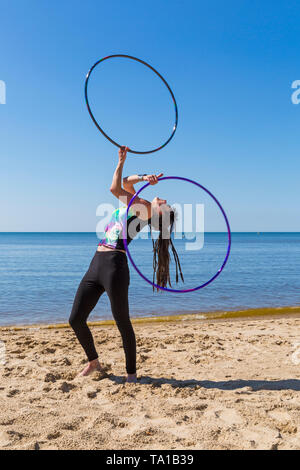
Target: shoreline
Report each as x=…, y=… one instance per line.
x=254, y=313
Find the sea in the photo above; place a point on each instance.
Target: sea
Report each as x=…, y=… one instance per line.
x=40, y=273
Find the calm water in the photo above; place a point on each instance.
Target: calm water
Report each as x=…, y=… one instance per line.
x=39, y=275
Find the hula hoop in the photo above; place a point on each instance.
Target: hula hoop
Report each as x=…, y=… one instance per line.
x=158, y=74
x=228, y=231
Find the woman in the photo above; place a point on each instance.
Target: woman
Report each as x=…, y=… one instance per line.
x=108, y=271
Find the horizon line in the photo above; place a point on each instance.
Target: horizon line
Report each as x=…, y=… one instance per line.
x=95, y=233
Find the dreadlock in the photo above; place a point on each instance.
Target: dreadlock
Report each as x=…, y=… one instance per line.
x=161, y=255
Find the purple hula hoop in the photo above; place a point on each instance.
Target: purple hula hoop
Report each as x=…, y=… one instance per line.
x=228, y=230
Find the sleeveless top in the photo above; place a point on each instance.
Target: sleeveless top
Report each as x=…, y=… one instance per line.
x=113, y=232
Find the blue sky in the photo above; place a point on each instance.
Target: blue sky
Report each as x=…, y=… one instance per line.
x=231, y=66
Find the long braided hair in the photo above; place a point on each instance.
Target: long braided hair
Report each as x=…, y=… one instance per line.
x=161, y=255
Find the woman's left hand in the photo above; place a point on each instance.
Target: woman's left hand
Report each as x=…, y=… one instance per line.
x=123, y=153
x=153, y=179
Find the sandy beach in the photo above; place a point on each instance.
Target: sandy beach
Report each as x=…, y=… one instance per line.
x=231, y=384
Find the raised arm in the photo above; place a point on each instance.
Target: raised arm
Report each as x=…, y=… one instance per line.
x=129, y=181
x=141, y=206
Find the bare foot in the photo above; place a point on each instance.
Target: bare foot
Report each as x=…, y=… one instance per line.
x=131, y=378
x=90, y=368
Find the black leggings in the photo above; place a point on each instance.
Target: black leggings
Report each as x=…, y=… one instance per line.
x=108, y=272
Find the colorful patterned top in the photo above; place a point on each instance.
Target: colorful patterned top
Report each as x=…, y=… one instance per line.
x=113, y=233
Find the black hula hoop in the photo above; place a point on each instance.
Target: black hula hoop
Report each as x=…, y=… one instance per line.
x=158, y=74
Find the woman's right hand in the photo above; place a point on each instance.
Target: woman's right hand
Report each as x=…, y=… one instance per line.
x=153, y=179
x=123, y=153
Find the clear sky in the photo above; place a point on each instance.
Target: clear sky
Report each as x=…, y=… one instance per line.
x=231, y=65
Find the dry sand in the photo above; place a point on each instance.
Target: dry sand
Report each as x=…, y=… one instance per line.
x=202, y=385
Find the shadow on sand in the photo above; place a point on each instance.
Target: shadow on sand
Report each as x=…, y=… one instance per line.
x=254, y=385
